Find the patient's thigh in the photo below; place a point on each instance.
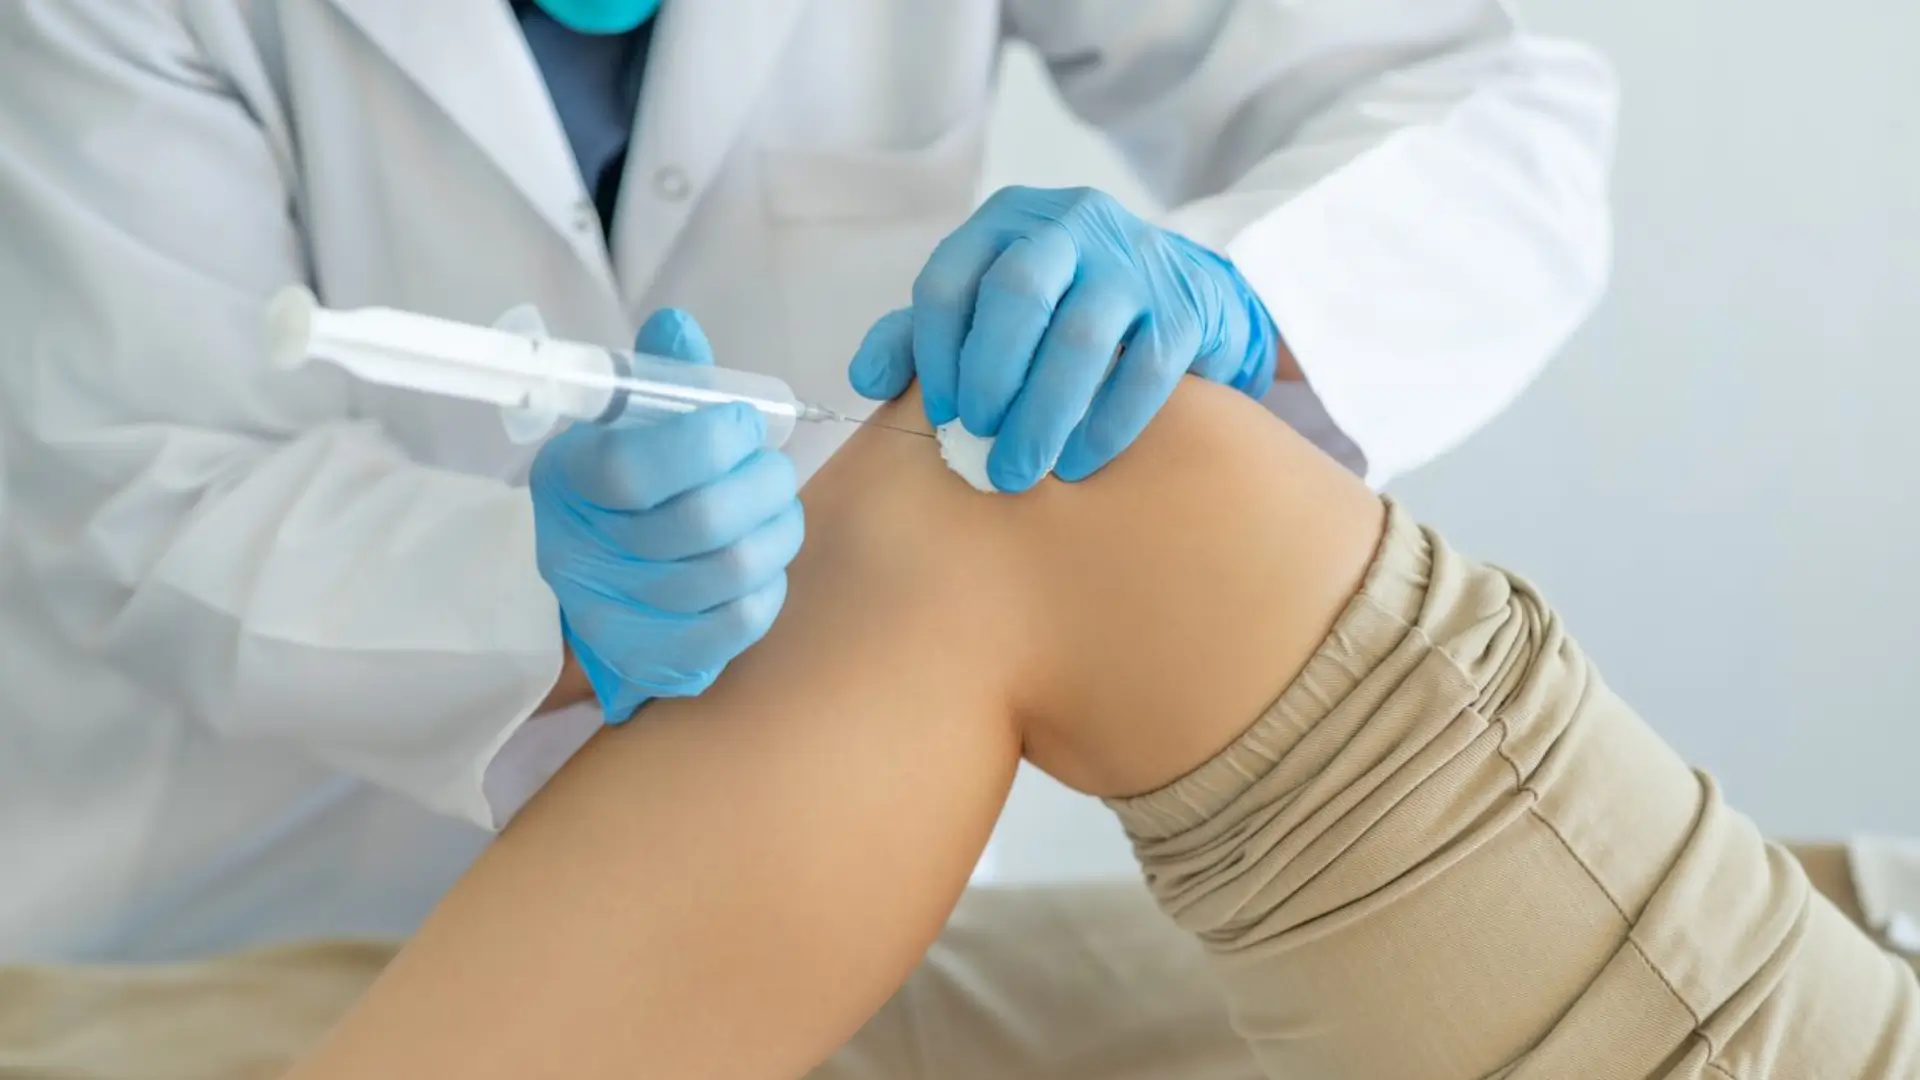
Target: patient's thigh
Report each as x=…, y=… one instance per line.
x=1076, y=982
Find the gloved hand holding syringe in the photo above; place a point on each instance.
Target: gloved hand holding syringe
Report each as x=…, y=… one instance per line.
x=664, y=522
x=537, y=381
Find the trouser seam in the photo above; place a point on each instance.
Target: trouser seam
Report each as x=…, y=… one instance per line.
x=1673, y=991
x=1612, y=901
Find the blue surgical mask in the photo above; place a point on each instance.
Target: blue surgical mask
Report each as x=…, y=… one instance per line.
x=600, y=16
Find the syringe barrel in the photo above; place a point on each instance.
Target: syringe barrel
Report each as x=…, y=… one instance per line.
x=616, y=387
x=537, y=381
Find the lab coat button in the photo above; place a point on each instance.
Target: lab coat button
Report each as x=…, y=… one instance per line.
x=585, y=217
x=672, y=183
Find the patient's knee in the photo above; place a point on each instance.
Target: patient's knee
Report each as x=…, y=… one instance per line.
x=1184, y=587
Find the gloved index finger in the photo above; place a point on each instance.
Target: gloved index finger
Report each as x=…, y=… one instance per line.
x=640, y=467
x=943, y=299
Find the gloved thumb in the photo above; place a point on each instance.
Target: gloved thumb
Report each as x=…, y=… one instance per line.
x=675, y=335
x=882, y=368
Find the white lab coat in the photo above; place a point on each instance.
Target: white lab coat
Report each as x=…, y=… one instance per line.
x=253, y=625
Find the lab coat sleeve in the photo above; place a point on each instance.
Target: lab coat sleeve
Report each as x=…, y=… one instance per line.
x=225, y=536
x=1416, y=188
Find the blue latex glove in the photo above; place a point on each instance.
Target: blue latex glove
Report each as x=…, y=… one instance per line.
x=667, y=545
x=1019, y=313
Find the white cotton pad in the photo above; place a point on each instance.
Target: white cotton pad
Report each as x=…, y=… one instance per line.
x=966, y=454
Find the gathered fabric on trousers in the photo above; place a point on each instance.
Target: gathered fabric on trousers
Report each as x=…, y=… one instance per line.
x=1448, y=851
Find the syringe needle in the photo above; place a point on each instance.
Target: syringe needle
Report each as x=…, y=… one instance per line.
x=818, y=413
x=888, y=427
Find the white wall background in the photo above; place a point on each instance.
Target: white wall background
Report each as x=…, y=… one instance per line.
x=1715, y=482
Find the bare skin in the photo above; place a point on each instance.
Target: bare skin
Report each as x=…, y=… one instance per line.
x=820, y=809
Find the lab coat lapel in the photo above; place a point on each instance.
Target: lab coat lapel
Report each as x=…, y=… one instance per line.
x=472, y=60
x=709, y=64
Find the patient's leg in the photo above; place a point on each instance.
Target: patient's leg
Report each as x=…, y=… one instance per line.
x=729, y=886
x=1444, y=851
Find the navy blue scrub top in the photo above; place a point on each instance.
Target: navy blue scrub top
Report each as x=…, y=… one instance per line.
x=594, y=81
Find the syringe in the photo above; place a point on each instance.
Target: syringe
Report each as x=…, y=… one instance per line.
x=537, y=381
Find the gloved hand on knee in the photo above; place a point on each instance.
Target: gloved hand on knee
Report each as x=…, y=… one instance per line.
x=667, y=545
x=1057, y=323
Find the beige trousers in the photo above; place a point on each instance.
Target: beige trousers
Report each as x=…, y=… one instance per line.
x=1447, y=851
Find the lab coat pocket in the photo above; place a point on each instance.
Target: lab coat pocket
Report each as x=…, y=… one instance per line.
x=813, y=184
x=849, y=229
